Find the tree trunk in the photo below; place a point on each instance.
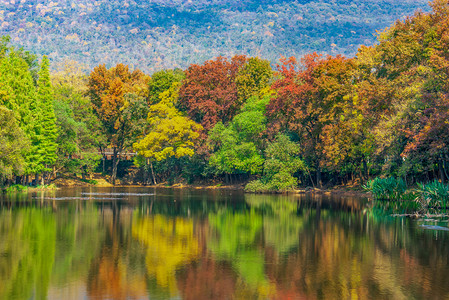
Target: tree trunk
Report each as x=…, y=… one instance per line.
x=47, y=177
x=318, y=176
x=311, y=179
x=444, y=170
x=440, y=168
x=152, y=173
x=365, y=170
x=115, y=161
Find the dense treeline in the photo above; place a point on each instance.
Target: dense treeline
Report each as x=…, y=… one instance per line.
x=322, y=120
x=154, y=35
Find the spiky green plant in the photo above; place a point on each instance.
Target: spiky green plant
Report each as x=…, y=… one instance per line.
x=435, y=194
x=386, y=188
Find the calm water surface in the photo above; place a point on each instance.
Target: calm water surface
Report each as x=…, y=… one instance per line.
x=144, y=243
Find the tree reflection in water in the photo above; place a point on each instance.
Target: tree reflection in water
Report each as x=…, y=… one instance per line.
x=231, y=247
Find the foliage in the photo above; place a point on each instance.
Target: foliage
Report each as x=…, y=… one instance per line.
x=13, y=145
x=46, y=117
x=237, y=148
x=382, y=113
x=434, y=194
x=209, y=93
x=110, y=91
x=280, y=165
x=170, y=132
x=107, y=89
x=162, y=81
x=386, y=188
x=80, y=134
x=19, y=95
x=16, y=188
x=253, y=78
x=256, y=186
x=155, y=35
x=32, y=103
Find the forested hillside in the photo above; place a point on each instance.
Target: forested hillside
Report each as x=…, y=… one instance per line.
x=312, y=121
x=158, y=34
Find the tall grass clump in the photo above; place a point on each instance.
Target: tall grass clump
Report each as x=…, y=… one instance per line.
x=386, y=188
x=16, y=188
x=434, y=194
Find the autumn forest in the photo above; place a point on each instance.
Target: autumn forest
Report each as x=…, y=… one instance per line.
x=315, y=121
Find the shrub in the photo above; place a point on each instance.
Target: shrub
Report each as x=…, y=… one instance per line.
x=51, y=186
x=256, y=186
x=91, y=181
x=386, y=188
x=281, y=163
x=434, y=194
x=282, y=181
x=16, y=188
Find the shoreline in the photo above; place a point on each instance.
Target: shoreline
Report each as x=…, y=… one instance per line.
x=62, y=183
x=100, y=181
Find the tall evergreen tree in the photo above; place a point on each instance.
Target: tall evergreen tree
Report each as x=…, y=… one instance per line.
x=13, y=144
x=18, y=93
x=47, y=120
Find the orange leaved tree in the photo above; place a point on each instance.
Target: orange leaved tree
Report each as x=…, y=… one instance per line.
x=111, y=91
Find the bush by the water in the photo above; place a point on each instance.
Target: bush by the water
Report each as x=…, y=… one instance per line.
x=279, y=182
x=16, y=188
x=91, y=181
x=21, y=188
x=280, y=165
x=386, y=188
x=434, y=194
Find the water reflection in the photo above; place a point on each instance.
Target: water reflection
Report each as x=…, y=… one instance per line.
x=170, y=245
x=163, y=244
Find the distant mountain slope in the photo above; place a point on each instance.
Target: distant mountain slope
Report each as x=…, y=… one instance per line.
x=155, y=34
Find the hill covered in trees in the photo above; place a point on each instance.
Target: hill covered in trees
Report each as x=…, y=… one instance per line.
x=314, y=121
x=158, y=34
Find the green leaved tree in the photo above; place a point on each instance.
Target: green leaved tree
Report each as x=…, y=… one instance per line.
x=281, y=163
x=13, y=145
x=237, y=148
x=18, y=93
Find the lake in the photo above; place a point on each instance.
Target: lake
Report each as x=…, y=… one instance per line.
x=141, y=243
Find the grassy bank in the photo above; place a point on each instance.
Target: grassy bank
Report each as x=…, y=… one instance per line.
x=18, y=188
x=423, y=198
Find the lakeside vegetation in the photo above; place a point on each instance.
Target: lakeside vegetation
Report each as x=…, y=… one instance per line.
x=318, y=121
x=422, y=199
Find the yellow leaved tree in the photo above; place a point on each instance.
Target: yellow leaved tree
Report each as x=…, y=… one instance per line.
x=171, y=133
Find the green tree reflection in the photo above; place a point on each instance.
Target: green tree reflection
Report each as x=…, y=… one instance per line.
x=27, y=252
x=281, y=224
x=80, y=234
x=236, y=236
